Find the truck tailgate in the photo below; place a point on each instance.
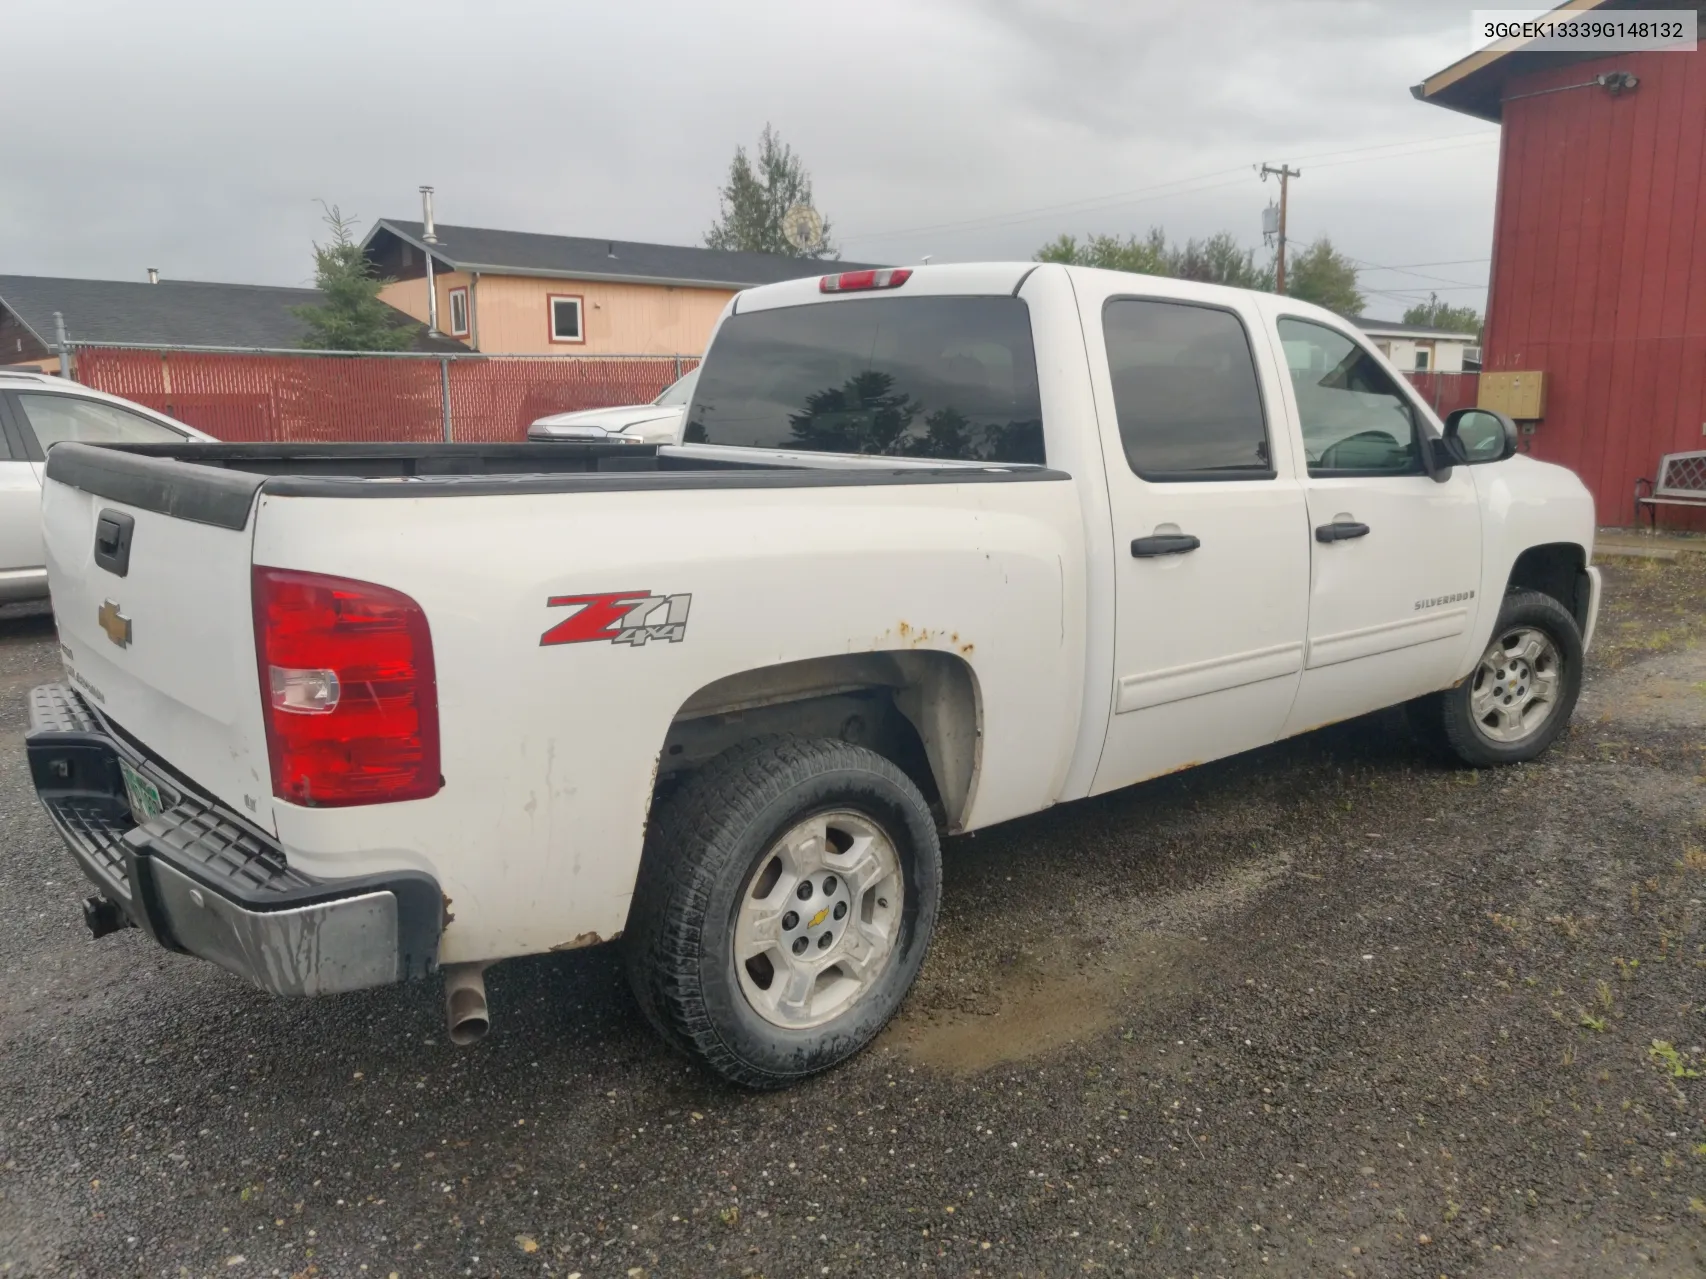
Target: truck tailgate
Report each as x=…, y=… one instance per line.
x=162, y=646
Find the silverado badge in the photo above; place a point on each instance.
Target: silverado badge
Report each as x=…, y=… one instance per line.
x=114, y=623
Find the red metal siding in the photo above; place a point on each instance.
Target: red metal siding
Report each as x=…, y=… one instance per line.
x=1599, y=268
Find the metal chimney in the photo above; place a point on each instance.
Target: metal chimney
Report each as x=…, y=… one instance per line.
x=153, y=275
x=427, y=233
x=429, y=237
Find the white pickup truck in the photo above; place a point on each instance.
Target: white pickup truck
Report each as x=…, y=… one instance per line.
x=951, y=545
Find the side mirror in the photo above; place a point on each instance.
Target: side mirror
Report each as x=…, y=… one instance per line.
x=1474, y=436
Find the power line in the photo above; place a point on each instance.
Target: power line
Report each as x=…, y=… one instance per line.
x=1158, y=190
x=1375, y=266
x=1405, y=266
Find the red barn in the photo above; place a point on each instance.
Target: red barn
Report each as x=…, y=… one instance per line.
x=1599, y=251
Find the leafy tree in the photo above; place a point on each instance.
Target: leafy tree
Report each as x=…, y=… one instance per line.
x=1326, y=277
x=1218, y=260
x=352, y=318
x=1443, y=315
x=1147, y=256
x=757, y=198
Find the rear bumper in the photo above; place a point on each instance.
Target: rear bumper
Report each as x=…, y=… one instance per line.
x=198, y=879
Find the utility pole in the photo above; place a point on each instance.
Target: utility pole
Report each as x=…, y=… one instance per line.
x=1284, y=174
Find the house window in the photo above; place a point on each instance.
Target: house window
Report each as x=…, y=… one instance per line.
x=459, y=312
x=566, y=318
x=1421, y=360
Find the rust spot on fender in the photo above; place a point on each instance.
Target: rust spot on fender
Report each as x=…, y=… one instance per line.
x=905, y=629
x=585, y=940
x=966, y=649
x=449, y=918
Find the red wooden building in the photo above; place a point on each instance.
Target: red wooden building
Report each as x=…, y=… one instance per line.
x=1599, y=250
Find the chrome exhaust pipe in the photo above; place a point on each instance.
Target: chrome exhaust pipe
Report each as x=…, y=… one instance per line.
x=465, y=1003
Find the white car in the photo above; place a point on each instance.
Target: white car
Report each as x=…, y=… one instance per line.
x=38, y=411
x=656, y=423
x=967, y=541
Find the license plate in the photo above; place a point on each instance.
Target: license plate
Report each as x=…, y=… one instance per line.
x=143, y=794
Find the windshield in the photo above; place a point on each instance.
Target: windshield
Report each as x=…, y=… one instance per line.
x=678, y=393
x=933, y=377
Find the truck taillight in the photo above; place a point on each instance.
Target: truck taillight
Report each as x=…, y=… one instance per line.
x=347, y=688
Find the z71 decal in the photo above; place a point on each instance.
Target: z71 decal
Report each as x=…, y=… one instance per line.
x=621, y=617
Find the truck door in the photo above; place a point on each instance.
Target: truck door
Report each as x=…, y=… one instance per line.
x=21, y=559
x=1210, y=533
x=1396, y=554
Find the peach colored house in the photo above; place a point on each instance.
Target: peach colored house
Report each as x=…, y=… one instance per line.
x=516, y=292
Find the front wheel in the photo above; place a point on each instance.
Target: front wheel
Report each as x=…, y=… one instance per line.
x=786, y=899
x=1521, y=693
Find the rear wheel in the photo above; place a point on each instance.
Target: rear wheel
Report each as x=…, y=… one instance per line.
x=1521, y=693
x=785, y=903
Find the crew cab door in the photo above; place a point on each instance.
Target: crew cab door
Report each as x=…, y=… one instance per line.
x=1396, y=554
x=1211, y=543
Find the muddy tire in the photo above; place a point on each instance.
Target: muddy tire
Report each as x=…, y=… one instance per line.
x=786, y=898
x=1520, y=695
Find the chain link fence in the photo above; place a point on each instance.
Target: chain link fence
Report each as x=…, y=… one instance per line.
x=244, y=394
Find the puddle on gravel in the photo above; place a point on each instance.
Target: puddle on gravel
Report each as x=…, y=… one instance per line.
x=1050, y=1002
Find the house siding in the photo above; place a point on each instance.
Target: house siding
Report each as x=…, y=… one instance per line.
x=1599, y=268
x=510, y=314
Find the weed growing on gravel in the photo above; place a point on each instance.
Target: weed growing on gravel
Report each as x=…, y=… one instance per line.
x=1664, y=1054
x=1595, y=1024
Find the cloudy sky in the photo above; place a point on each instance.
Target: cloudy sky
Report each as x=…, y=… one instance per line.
x=195, y=135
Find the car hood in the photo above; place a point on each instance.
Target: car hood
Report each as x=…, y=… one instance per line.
x=619, y=418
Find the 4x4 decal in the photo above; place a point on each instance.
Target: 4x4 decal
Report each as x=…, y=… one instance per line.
x=621, y=617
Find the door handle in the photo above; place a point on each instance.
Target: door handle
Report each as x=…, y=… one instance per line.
x=1340, y=531
x=1164, y=544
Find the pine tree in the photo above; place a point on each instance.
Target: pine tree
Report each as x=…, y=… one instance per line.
x=352, y=318
x=758, y=197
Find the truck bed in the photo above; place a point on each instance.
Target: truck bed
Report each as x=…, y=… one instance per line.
x=217, y=483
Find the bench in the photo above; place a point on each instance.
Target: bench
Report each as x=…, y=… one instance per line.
x=1681, y=482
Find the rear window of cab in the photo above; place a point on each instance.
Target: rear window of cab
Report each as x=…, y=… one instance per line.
x=949, y=378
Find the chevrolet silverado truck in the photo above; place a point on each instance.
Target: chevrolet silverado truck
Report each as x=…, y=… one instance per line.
x=946, y=546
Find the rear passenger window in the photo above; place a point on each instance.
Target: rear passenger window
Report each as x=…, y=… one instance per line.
x=1185, y=391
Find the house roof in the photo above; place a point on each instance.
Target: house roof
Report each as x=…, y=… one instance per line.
x=170, y=313
x=1398, y=329
x=1475, y=85
x=466, y=248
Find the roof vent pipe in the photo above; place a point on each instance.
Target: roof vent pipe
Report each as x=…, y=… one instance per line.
x=610, y=248
x=153, y=275
x=430, y=238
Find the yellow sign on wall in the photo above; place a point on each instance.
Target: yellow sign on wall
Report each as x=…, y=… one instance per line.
x=1521, y=396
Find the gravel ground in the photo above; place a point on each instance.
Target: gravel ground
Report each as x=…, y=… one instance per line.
x=1330, y=1008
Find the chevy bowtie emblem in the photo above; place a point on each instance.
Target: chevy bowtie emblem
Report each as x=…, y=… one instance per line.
x=115, y=624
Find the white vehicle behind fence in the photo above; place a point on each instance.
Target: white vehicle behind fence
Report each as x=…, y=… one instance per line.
x=656, y=423
x=37, y=411
x=962, y=542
